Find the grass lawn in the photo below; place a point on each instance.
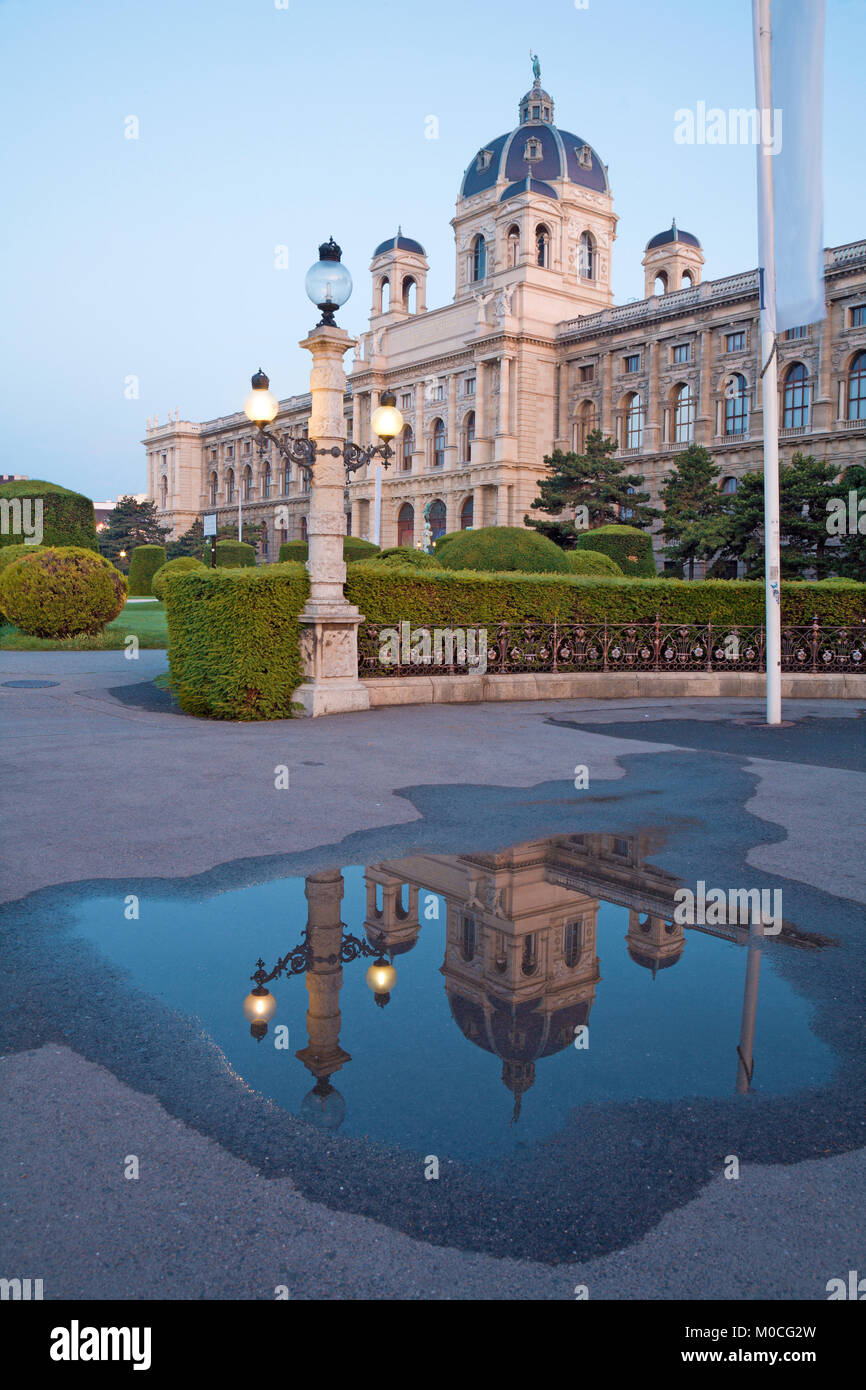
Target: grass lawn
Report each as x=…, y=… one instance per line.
x=145, y=620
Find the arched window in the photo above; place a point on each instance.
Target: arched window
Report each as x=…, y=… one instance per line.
x=287, y=477
x=586, y=256
x=684, y=414
x=213, y=490
x=384, y=295
x=406, y=524
x=230, y=485
x=736, y=405
x=857, y=388
x=248, y=483
x=633, y=421
x=660, y=285
x=795, y=399
x=542, y=245
x=479, y=258
x=409, y=294
x=468, y=938
x=163, y=493
x=467, y=512
x=405, y=446
x=266, y=482
x=513, y=243
x=585, y=424
x=468, y=436
x=729, y=486
x=688, y=279
x=303, y=528
x=438, y=443
x=529, y=957
x=437, y=519
x=572, y=943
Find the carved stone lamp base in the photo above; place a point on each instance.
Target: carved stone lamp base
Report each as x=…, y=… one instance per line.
x=329, y=651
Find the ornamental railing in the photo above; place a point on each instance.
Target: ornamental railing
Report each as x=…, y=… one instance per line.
x=562, y=647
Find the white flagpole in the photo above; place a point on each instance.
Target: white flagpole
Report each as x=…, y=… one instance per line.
x=769, y=371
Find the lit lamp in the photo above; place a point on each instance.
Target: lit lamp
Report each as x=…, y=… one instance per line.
x=259, y=1006
x=381, y=979
x=261, y=405
x=328, y=283
x=387, y=421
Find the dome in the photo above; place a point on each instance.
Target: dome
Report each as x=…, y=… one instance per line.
x=650, y=961
x=673, y=233
x=399, y=243
x=536, y=150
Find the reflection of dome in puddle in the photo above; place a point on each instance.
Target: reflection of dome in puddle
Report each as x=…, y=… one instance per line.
x=323, y=1107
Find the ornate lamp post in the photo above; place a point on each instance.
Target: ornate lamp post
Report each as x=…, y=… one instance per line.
x=329, y=624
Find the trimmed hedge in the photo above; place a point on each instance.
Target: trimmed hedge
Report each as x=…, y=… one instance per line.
x=233, y=555
x=67, y=517
x=405, y=555
x=179, y=565
x=145, y=561
x=444, y=598
x=353, y=549
x=498, y=549
x=10, y=553
x=62, y=591
x=591, y=562
x=234, y=640
x=630, y=548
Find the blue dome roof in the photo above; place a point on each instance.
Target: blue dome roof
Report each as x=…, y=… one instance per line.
x=399, y=243
x=673, y=233
x=536, y=149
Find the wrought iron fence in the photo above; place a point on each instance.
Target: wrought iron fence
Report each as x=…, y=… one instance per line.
x=515, y=648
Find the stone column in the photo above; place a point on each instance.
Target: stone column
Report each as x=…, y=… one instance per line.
x=502, y=424
x=452, y=442
x=323, y=1054
x=329, y=625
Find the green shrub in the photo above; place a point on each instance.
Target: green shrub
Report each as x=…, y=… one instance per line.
x=62, y=591
x=630, y=548
x=145, y=561
x=405, y=555
x=178, y=566
x=233, y=640
x=498, y=549
x=233, y=555
x=442, y=598
x=10, y=553
x=353, y=549
x=67, y=517
x=591, y=562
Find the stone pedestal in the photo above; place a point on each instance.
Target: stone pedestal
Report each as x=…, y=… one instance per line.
x=329, y=624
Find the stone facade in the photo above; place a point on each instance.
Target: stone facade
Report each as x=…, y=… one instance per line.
x=529, y=356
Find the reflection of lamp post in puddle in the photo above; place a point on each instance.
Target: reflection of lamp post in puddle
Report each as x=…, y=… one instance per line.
x=325, y=948
x=746, y=1045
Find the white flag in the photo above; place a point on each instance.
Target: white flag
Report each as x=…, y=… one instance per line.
x=794, y=150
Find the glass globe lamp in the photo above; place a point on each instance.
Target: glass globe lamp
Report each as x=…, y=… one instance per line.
x=261, y=405
x=328, y=283
x=387, y=421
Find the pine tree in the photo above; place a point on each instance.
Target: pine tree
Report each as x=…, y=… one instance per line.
x=805, y=487
x=130, y=524
x=850, y=559
x=594, y=486
x=693, y=521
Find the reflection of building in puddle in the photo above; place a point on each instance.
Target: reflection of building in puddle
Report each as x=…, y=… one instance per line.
x=520, y=963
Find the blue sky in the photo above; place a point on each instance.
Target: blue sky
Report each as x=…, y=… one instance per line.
x=262, y=126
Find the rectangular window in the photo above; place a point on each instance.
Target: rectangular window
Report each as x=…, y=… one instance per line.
x=620, y=847
x=587, y=373
x=735, y=342
x=213, y=455
x=230, y=451
x=791, y=333
x=406, y=400
x=440, y=393
x=681, y=352
x=632, y=363
x=858, y=316
x=470, y=386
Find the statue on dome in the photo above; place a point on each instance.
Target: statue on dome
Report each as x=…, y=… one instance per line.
x=536, y=66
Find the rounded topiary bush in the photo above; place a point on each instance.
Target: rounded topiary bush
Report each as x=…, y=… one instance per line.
x=630, y=548
x=591, y=562
x=181, y=565
x=499, y=549
x=406, y=555
x=146, y=560
x=10, y=553
x=353, y=549
x=67, y=517
x=62, y=591
x=234, y=555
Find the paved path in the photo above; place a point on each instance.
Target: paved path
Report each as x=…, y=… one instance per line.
x=116, y=788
